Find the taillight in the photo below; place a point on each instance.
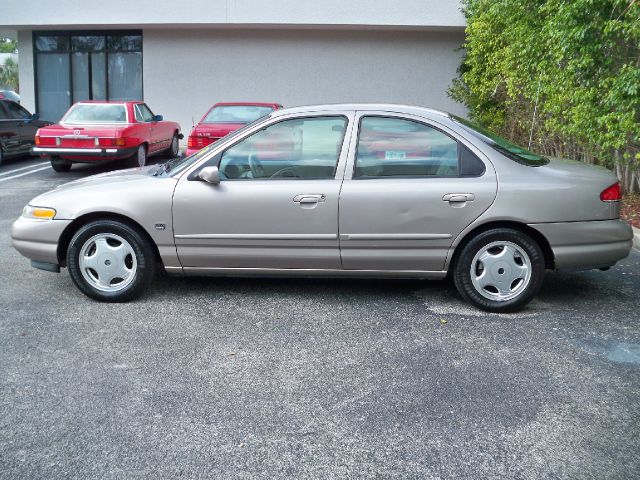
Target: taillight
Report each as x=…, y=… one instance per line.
x=612, y=193
x=45, y=141
x=199, y=142
x=111, y=142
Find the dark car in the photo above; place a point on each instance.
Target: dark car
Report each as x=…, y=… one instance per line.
x=9, y=95
x=18, y=129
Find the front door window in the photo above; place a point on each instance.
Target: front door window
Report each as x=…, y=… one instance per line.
x=301, y=148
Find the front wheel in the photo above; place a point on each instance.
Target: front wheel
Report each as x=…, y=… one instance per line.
x=60, y=165
x=110, y=261
x=500, y=270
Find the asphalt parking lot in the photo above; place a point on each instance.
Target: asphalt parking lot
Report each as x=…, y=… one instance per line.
x=266, y=378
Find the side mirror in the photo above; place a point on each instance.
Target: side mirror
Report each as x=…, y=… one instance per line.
x=32, y=118
x=210, y=175
x=158, y=118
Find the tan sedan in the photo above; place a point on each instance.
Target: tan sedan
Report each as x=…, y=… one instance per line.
x=339, y=190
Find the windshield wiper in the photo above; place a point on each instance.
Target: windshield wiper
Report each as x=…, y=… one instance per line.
x=166, y=167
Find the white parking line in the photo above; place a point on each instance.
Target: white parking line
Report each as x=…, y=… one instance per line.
x=23, y=168
x=24, y=173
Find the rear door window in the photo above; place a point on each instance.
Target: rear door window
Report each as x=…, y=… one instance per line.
x=396, y=147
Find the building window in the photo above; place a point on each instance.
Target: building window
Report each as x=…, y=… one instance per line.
x=76, y=66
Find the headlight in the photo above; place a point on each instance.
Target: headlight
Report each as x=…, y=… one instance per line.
x=38, y=213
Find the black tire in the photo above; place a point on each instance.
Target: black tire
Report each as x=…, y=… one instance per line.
x=144, y=256
x=135, y=161
x=60, y=165
x=174, y=148
x=462, y=274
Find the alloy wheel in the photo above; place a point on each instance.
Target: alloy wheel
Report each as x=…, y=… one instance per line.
x=501, y=271
x=108, y=262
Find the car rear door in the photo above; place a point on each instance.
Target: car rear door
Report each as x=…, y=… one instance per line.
x=411, y=186
x=276, y=206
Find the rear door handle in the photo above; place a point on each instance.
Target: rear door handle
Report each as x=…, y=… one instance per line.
x=458, y=197
x=308, y=198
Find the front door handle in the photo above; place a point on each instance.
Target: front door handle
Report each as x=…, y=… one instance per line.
x=458, y=197
x=304, y=198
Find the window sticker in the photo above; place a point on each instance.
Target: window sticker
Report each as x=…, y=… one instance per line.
x=395, y=155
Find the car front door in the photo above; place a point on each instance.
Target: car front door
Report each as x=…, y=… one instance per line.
x=10, y=131
x=276, y=206
x=410, y=188
x=27, y=127
x=154, y=128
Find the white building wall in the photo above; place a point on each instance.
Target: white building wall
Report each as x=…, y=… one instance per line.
x=26, y=76
x=186, y=71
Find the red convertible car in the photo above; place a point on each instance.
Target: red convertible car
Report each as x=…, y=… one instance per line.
x=224, y=118
x=96, y=131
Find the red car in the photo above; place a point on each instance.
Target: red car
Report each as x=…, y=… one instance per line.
x=94, y=131
x=224, y=118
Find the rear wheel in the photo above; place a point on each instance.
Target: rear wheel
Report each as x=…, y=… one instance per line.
x=140, y=157
x=110, y=261
x=60, y=165
x=174, y=148
x=500, y=270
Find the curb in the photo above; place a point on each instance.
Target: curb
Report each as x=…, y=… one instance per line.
x=636, y=238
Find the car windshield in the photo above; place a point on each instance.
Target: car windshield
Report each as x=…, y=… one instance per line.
x=236, y=113
x=96, y=113
x=502, y=145
x=179, y=164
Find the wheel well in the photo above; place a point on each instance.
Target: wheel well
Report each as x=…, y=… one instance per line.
x=533, y=233
x=73, y=227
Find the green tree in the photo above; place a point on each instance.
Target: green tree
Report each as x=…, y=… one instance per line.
x=9, y=74
x=8, y=46
x=562, y=76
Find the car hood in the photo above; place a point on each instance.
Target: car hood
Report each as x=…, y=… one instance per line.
x=102, y=179
x=116, y=192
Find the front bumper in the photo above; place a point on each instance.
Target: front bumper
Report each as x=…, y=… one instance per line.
x=587, y=245
x=100, y=153
x=38, y=239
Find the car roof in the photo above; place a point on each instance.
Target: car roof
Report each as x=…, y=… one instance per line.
x=385, y=107
x=245, y=104
x=108, y=102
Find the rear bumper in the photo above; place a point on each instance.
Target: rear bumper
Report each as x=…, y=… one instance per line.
x=84, y=153
x=191, y=151
x=587, y=245
x=38, y=239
